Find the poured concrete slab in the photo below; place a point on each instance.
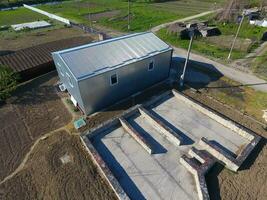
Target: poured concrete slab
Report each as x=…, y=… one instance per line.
x=161, y=175
x=145, y=176
x=196, y=125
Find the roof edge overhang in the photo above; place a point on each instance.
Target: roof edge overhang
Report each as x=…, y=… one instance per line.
x=101, y=42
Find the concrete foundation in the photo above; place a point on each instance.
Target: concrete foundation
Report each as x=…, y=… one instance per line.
x=143, y=147
x=199, y=170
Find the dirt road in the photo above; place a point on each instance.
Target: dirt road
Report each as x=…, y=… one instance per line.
x=157, y=28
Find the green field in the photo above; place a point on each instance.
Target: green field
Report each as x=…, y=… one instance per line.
x=18, y=16
x=143, y=15
x=245, y=99
x=227, y=91
x=23, y=15
x=200, y=46
x=219, y=46
x=259, y=65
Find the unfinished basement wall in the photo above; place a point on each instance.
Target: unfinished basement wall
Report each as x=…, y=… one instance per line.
x=97, y=93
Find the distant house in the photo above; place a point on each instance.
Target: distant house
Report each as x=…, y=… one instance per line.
x=196, y=24
x=200, y=29
x=209, y=31
x=99, y=74
x=252, y=13
x=262, y=23
x=179, y=29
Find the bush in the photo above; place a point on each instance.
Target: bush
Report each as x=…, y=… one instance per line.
x=8, y=82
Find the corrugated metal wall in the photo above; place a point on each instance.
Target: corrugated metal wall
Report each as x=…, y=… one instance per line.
x=63, y=73
x=96, y=92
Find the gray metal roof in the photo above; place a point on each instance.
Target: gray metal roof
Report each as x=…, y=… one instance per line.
x=96, y=58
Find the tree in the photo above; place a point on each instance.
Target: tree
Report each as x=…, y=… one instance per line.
x=8, y=82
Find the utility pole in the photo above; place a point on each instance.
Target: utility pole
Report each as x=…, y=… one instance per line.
x=129, y=15
x=191, y=34
x=90, y=21
x=239, y=27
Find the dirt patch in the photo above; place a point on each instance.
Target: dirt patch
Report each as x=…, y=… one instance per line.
x=45, y=176
x=225, y=41
x=249, y=183
x=108, y=14
x=33, y=39
x=34, y=109
x=15, y=140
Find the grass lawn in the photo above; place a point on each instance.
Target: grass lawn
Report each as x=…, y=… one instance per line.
x=246, y=31
x=143, y=15
x=200, y=45
x=245, y=99
x=17, y=16
x=219, y=46
x=259, y=65
x=11, y=34
x=232, y=93
x=23, y=15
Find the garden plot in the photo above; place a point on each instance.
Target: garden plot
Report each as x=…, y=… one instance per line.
x=147, y=148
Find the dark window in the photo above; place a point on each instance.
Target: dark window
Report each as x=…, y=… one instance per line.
x=151, y=66
x=113, y=79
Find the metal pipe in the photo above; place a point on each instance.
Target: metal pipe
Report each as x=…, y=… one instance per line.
x=187, y=59
x=233, y=44
x=129, y=15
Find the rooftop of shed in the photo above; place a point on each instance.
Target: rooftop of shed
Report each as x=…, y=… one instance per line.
x=31, y=57
x=99, y=57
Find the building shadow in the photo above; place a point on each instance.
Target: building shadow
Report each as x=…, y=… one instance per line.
x=198, y=74
x=220, y=146
x=253, y=155
x=118, y=171
x=186, y=140
x=156, y=146
x=6, y=52
x=213, y=181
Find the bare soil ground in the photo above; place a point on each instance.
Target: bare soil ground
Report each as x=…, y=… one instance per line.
x=46, y=176
x=34, y=110
x=33, y=39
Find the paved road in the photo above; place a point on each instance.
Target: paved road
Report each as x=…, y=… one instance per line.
x=235, y=74
x=157, y=28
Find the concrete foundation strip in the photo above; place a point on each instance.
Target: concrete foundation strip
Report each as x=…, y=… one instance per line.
x=230, y=162
x=172, y=136
x=110, y=123
x=136, y=136
x=227, y=159
x=239, y=129
x=199, y=171
x=104, y=170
